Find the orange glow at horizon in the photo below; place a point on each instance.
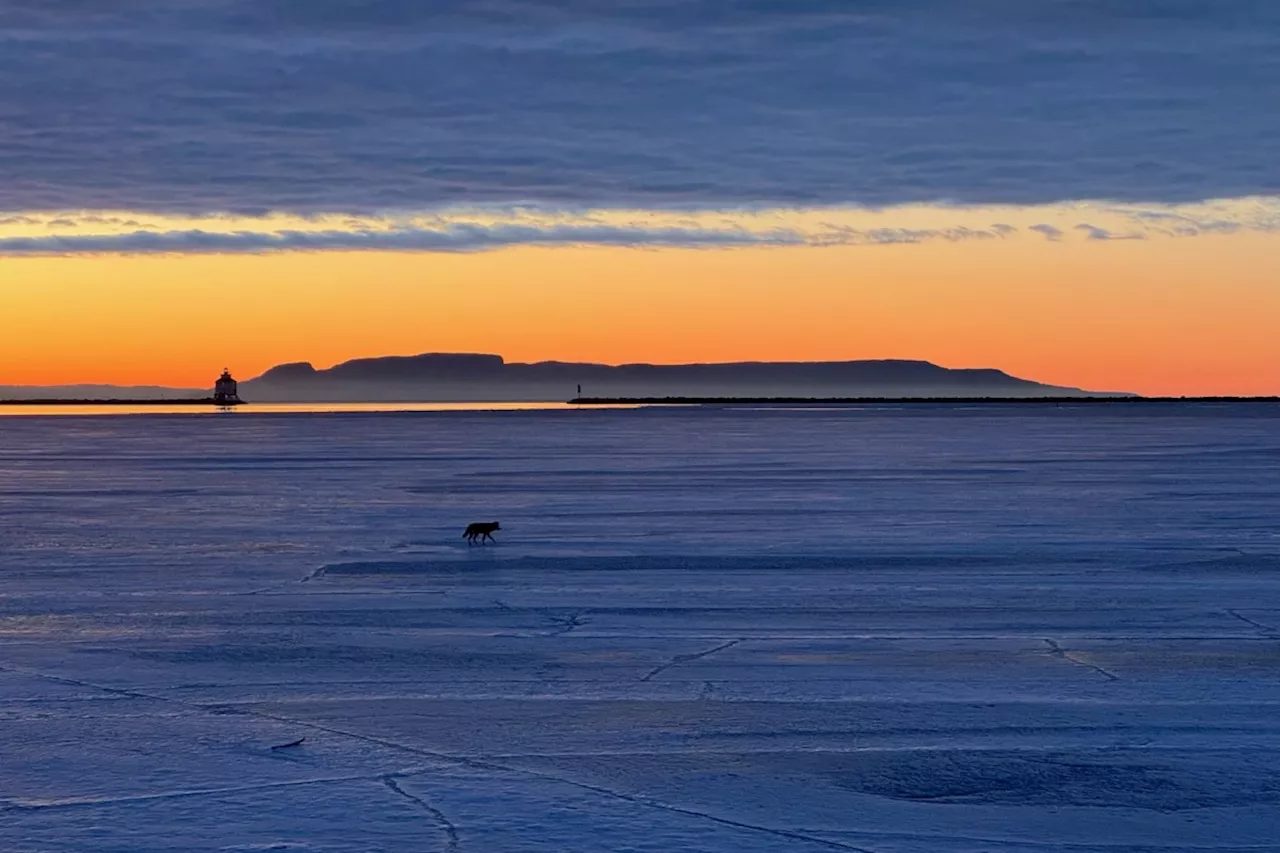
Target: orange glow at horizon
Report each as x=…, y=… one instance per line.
x=1161, y=316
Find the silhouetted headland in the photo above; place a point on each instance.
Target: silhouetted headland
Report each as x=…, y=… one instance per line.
x=465, y=377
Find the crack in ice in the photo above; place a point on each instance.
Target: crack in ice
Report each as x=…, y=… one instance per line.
x=450, y=831
x=61, y=679
x=490, y=766
x=1059, y=652
x=1271, y=632
x=679, y=659
x=793, y=835
x=567, y=624
x=71, y=802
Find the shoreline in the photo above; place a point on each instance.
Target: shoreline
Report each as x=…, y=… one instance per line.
x=116, y=401
x=196, y=404
x=841, y=401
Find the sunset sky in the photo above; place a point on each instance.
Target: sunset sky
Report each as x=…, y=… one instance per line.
x=1070, y=191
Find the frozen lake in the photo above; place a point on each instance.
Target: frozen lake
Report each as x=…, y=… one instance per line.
x=898, y=630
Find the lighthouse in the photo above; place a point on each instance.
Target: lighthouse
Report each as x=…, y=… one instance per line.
x=225, y=390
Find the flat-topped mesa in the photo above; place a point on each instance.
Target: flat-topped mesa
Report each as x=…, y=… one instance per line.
x=294, y=370
x=397, y=368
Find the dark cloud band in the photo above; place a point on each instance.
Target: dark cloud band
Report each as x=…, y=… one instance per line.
x=346, y=105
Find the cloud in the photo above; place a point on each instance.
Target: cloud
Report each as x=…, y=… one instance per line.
x=474, y=229
x=1093, y=232
x=457, y=238
x=461, y=237
x=249, y=106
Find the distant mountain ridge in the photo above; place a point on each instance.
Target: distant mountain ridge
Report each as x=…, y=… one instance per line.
x=482, y=377
x=100, y=392
x=465, y=377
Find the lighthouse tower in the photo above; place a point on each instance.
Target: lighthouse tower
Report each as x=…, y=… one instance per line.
x=225, y=390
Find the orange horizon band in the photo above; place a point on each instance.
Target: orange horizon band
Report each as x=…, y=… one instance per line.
x=1157, y=317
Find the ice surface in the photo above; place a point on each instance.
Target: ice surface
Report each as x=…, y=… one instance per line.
x=898, y=630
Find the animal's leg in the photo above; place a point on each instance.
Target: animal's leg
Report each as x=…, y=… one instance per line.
x=490, y=537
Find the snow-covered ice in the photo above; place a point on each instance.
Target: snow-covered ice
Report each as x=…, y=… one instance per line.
x=897, y=630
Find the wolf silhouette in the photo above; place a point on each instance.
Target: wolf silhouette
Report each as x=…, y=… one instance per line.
x=480, y=530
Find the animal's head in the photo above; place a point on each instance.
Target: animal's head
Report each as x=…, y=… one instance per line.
x=497, y=526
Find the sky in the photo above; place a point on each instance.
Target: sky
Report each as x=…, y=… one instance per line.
x=1082, y=192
